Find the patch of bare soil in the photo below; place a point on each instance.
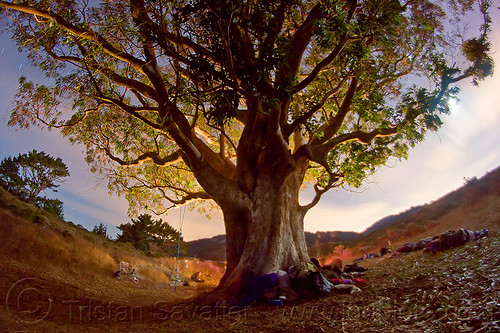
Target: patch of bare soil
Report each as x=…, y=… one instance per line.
x=38, y=300
x=454, y=291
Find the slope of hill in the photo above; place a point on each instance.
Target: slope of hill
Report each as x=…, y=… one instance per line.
x=208, y=248
x=452, y=291
x=387, y=221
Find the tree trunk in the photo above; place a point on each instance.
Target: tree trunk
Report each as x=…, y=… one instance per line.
x=265, y=236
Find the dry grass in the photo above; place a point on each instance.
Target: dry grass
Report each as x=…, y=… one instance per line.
x=40, y=245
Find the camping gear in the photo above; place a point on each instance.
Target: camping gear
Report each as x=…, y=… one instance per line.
x=346, y=288
x=197, y=277
x=444, y=241
x=357, y=282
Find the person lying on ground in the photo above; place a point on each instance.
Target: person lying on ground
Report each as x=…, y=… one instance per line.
x=443, y=241
x=451, y=239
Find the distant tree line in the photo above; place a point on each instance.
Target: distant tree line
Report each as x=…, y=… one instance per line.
x=28, y=175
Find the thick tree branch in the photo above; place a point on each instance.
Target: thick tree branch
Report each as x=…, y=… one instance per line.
x=180, y=199
x=163, y=34
x=190, y=196
x=320, y=66
x=225, y=35
x=250, y=144
x=184, y=199
x=177, y=125
x=336, y=122
x=320, y=190
x=394, y=77
x=153, y=156
x=299, y=43
x=304, y=117
x=133, y=111
x=276, y=26
x=157, y=34
x=223, y=134
x=319, y=152
x=88, y=34
x=361, y=136
x=113, y=76
x=140, y=16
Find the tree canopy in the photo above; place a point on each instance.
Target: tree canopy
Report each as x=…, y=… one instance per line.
x=346, y=84
x=27, y=175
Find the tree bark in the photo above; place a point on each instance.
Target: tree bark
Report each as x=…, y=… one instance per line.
x=266, y=236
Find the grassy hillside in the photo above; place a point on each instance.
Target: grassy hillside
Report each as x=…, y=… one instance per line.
x=33, y=237
x=208, y=248
x=452, y=291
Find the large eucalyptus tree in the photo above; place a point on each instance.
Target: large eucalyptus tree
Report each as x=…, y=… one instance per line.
x=242, y=102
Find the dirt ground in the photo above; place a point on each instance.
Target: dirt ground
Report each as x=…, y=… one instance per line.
x=454, y=291
x=34, y=301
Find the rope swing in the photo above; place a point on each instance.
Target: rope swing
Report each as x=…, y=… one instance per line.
x=182, y=213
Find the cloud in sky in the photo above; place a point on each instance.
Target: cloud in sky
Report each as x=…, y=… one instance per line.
x=466, y=146
x=195, y=225
x=344, y=217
